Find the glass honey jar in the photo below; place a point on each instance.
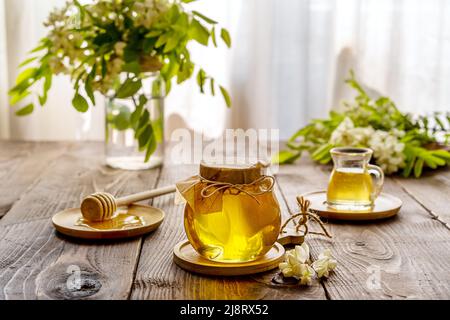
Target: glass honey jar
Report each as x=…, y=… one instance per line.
x=231, y=213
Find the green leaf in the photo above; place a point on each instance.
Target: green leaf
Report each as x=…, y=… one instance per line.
x=418, y=167
x=171, y=43
x=48, y=80
x=172, y=14
x=409, y=166
x=88, y=89
x=325, y=159
x=129, y=88
x=163, y=39
x=80, y=103
x=143, y=120
x=354, y=84
x=25, y=110
x=226, y=96
x=182, y=24
x=154, y=33
x=322, y=152
x=198, y=32
x=170, y=69
x=425, y=123
x=213, y=36
x=212, y=86
x=16, y=97
x=184, y=72
x=122, y=120
x=302, y=132
x=39, y=48
x=439, y=122
x=201, y=77
x=27, y=61
x=144, y=137
x=204, y=18
x=437, y=160
x=43, y=99
x=168, y=86
x=151, y=147
x=430, y=162
x=225, y=35
x=26, y=74
x=441, y=154
x=286, y=156
x=78, y=79
x=138, y=111
x=188, y=1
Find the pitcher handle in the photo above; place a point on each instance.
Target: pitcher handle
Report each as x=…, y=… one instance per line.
x=379, y=180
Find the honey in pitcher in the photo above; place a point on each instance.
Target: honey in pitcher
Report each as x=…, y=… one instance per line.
x=244, y=230
x=350, y=186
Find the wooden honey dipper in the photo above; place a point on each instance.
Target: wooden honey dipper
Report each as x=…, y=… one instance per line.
x=101, y=206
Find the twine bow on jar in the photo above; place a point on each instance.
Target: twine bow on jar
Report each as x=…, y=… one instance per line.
x=218, y=186
x=204, y=191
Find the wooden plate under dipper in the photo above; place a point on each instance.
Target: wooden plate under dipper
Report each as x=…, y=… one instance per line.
x=148, y=218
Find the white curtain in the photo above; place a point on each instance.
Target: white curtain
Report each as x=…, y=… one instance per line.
x=22, y=26
x=287, y=64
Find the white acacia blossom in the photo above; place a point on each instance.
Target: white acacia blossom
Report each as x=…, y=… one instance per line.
x=324, y=264
x=296, y=265
x=388, y=151
x=386, y=146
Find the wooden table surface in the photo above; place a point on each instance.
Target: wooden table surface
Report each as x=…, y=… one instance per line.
x=406, y=257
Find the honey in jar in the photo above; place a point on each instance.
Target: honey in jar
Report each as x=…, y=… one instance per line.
x=231, y=213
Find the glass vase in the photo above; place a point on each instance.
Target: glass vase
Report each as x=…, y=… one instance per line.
x=134, y=137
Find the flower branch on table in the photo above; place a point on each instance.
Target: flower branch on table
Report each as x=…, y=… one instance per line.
x=401, y=142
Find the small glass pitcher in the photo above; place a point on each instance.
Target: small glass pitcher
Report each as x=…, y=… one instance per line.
x=351, y=186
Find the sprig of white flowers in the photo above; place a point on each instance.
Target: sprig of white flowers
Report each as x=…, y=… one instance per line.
x=401, y=142
x=298, y=264
x=386, y=145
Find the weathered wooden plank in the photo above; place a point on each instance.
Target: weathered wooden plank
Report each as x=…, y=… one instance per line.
x=35, y=261
x=20, y=164
x=432, y=190
x=409, y=253
x=158, y=277
x=403, y=257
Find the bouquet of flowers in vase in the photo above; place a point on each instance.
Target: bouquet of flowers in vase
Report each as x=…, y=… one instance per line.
x=400, y=142
x=111, y=46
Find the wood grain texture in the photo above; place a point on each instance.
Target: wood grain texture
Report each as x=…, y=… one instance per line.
x=402, y=257
x=158, y=277
x=35, y=261
x=432, y=190
x=20, y=164
x=408, y=254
